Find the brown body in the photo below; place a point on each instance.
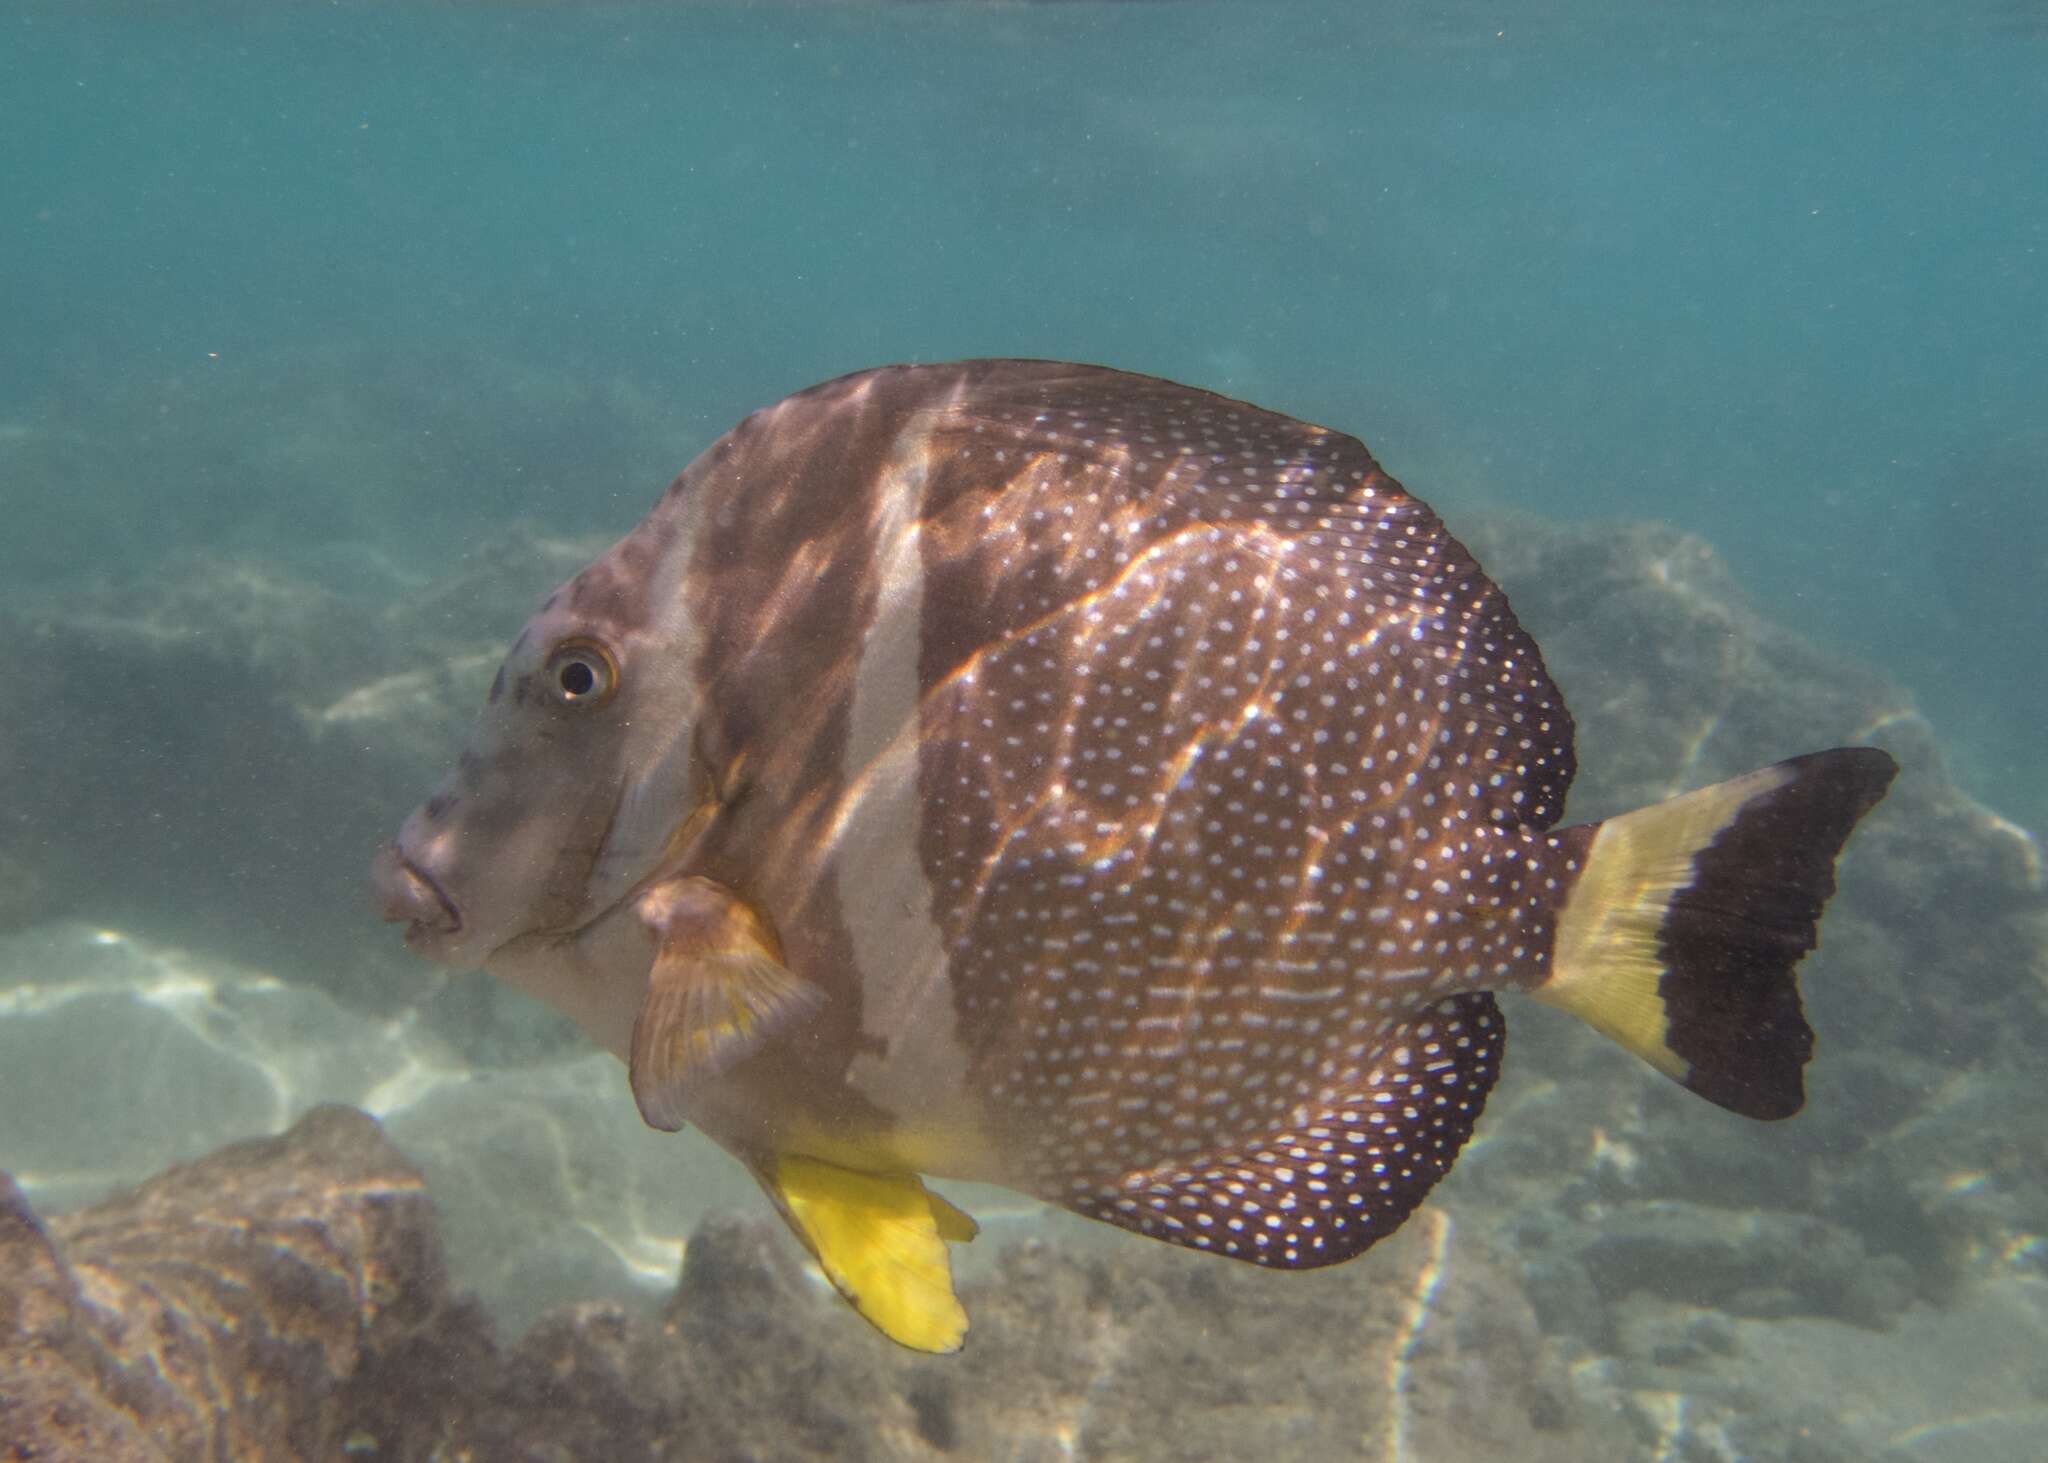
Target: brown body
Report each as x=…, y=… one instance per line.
x=1134, y=796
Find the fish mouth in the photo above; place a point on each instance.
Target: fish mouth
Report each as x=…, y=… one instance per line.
x=408, y=895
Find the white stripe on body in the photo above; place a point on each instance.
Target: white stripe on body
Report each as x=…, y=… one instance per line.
x=886, y=899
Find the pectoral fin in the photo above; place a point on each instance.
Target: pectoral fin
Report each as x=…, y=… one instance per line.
x=881, y=1239
x=718, y=990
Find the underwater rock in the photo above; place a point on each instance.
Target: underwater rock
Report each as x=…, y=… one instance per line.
x=1673, y=679
x=1745, y=1263
x=221, y=1309
x=550, y=1187
x=285, y=1298
x=1426, y=1353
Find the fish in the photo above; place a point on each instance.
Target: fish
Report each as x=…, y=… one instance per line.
x=1064, y=779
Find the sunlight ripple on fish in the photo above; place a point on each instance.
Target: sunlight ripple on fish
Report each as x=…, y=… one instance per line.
x=1068, y=780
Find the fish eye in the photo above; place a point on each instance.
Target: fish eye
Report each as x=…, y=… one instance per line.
x=581, y=673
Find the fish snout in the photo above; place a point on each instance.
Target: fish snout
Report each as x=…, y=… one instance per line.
x=407, y=894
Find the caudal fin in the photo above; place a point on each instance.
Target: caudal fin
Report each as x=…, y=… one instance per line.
x=1681, y=934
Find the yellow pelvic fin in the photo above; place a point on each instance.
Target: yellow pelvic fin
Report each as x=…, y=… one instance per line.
x=717, y=992
x=881, y=1238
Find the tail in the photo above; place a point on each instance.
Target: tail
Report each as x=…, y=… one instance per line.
x=1680, y=935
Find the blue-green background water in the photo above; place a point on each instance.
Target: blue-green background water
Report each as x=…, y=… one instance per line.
x=1773, y=272
x=348, y=289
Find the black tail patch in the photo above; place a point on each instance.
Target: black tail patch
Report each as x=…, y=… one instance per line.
x=1732, y=939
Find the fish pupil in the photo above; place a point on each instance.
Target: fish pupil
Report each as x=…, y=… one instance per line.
x=577, y=679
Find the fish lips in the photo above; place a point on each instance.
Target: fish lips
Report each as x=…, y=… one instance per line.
x=408, y=895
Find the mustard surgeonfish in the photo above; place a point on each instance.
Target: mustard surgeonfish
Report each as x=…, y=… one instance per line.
x=1068, y=780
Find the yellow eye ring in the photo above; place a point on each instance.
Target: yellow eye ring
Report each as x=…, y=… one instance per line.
x=581, y=674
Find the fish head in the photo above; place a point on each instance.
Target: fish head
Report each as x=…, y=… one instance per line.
x=577, y=779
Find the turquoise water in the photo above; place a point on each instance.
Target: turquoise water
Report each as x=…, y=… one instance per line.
x=347, y=290
x=1774, y=274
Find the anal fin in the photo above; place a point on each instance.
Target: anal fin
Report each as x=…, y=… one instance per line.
x=1322, y=1191
x=718, y=991
x=881, y=1239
